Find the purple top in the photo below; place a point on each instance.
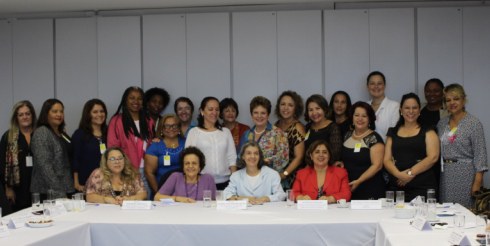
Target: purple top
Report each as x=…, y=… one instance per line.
x=176, y=186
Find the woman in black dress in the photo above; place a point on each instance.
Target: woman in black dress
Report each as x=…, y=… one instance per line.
x=16, y=156
x=362, y=154
x=411, y=150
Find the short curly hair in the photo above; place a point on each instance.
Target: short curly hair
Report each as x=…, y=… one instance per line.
x=260, y=101
x=192, y=150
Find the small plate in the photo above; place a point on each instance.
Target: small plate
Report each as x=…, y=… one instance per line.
x=39, y=225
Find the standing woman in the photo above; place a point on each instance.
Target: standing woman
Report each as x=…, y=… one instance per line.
x=229, y=112
x=272, y=140
x=50, y=147
x=411, y=151
x=434, y=110
x=184, y=109
x=386, y=110
x=163, y=157
x=16, y=156
x=215, y=142
x=340, y=106
x=156, y=100
x=320, y=127
x=363, y=153
x=289, y=108
x=463, y=150
x=89, y=142
x=131, y=130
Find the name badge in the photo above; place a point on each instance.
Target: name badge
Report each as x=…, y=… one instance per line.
x=102, y=148
x=452, y=132
x=136, y=205
x=357, y=147
x=4, y=231
x=28, y=161
x=312, y=204
x=458, y=238
x=232, y=205
x=166, y=160
x=421, y=224
x=365, y=204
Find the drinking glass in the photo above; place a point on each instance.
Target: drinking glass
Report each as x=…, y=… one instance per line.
x=289, y=198
x=219, y=195
x=431, y=209
x=206, y=198
x=36, y=202
x=459, y=220
x=431, y=194
x=47, y=206
x=390, y=198
x=400, y=197
x=50, y=194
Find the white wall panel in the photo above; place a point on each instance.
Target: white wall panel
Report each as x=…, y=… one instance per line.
x=208, y=56
x=33, y=62
x=476, y=54
x=76, y=66
x=119, y=57
x=299, y=51
x=5, y=74
x=164, y=54
x=440, y=53
x=254, y=59
x=392, y=49
x=346, y=52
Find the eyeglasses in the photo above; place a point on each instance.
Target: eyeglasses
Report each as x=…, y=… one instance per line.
x=173, y=127
x=22, y=114
x=114, y=159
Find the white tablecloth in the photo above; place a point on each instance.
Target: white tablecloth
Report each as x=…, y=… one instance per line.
x=192, y=224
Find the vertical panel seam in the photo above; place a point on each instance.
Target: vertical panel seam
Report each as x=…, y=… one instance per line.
x=323, y=50
x=230, y=35
x=53, y=25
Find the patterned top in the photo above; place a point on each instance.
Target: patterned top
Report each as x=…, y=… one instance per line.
x=294, y=138
x=96, y=184
x=237, y=132
x=273, y=143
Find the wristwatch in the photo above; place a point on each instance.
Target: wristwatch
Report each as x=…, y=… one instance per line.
x=410, y=173
x=285, y=173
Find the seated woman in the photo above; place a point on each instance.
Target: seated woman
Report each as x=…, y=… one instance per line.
x=188, y=187
x=115, y=181
x=255, y=182
x=320, y=179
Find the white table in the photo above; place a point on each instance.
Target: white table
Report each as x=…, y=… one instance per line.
x=192, y=224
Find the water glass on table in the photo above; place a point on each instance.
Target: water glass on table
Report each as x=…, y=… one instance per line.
x=431, y=209
x=289, y=198
x=459, y=220
x=36, y=202
x=206, y=198
x=400, y=197
x=390, y=198
x=219, y=195
x=431, y=194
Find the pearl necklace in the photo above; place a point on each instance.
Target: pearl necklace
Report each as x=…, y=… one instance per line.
x=360, y=136
x=258, y=133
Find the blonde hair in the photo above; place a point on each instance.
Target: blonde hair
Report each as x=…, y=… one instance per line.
x=161, y=123
x=14, y=121
x=456, y=89
x=128, y=174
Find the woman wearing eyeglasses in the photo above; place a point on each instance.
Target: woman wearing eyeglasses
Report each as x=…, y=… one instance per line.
x=115, y=181
x=163, y=157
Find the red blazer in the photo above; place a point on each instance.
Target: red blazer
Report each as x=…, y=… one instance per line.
x=336, y=183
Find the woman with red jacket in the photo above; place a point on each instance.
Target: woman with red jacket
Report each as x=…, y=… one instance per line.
x=320, y=179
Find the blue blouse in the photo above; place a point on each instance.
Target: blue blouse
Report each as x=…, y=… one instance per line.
x=159, y=150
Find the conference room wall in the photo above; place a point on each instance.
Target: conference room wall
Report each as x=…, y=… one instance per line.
x=261, y=46
x=5, y=72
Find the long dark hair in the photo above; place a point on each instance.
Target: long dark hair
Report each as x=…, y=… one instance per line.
x=347, y=108
x=43, y=116
x=401, y=120
x=127, y=120
x=86, y=120
x=200, y=118
x=321, y=101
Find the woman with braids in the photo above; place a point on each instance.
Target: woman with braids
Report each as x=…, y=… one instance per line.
x=131, y=129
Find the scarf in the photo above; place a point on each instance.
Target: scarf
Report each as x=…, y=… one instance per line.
x=12, y=173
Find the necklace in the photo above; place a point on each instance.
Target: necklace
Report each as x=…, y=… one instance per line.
x=258, y=133
x=197, y=188
x=360, y=136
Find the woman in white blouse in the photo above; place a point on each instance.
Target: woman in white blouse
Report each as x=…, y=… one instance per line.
x=215, y=142
x=386, y=110
x=255, y=182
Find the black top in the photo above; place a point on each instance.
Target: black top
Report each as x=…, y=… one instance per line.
x=331, y=134
x=408, y=151
x=22, y=191
x=357, y=161
x=429, y=118
x=86, y=154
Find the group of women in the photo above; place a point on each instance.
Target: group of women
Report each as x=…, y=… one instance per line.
x=345, y=151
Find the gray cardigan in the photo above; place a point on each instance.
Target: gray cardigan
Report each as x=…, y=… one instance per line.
x=51, y=165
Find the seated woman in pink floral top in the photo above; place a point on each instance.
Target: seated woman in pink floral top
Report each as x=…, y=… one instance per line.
x=115, y=180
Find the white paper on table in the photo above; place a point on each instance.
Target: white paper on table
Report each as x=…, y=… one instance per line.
x=18, y=222
x=312, y=204
x=136, y=205
x=365, y=204
x=421, y=224
x=458, y=238
x=232, y=205
x=4, y=231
